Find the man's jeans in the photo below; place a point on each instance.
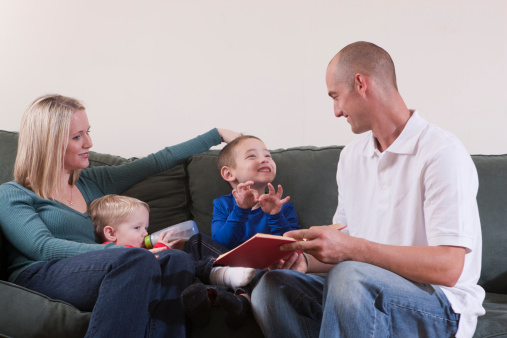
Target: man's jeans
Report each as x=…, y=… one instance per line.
x=131, y=292
x=355, y=300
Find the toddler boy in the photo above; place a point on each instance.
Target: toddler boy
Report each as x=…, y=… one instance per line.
x=248, y=167
x=124, y=221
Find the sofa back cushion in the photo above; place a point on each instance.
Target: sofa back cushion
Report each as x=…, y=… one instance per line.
x=492, y=201
x=307, y=175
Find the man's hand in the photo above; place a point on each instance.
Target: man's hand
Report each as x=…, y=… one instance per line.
x=245, y=197
x=272, y=202
x=439, y=265
x=327, y=244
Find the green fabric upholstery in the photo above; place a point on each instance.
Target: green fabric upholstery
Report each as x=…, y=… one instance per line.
x=492, y=201
x=26, y=313
x=314, y=168
x=307, y=174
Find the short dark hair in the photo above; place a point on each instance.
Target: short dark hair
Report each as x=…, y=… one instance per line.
x=365, y=58
x=227, y=156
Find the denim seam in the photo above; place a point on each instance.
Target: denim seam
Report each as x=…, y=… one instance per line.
x=297, y=301
x=424, y=313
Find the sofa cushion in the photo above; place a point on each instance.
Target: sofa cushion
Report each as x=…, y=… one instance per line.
x=36, y=315
x=307, y=174
x=166, y=193
x=494, y=322
x=8, y=150
x=492, y=201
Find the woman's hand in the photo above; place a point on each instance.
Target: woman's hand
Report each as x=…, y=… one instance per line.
x=228, y=135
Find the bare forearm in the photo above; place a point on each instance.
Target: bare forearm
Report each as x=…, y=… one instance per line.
x=440, y=265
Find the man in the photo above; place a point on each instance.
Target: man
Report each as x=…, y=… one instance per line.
x=410, y=261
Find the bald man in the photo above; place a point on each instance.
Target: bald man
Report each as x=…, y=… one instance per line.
x=409, y=262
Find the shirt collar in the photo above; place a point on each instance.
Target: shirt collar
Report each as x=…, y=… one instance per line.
x=406, y=141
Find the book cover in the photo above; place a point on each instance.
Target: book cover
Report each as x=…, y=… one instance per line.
x=258, y=252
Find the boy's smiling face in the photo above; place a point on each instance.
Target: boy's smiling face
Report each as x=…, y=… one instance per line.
x=253, y=162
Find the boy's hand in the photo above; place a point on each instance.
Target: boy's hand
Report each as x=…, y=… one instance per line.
x=245, y=197
x=271, y=203
x=295, y=261
x=165, y=239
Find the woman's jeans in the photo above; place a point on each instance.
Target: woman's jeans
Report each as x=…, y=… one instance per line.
x=131, y=292
x=355, y=300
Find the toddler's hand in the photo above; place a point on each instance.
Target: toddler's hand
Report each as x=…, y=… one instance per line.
x=271, y=203
x=246, y=198
x=165, y=238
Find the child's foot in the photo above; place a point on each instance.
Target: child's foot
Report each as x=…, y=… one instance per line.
x=237, y=307
x=232, y=277
x=196, y=304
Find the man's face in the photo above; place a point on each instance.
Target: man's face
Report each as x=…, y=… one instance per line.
x=347, y=102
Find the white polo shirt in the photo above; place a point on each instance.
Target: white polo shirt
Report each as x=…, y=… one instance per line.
x=420, y=191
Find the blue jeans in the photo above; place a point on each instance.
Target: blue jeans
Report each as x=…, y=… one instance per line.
x=354, y=300
x=131, y=292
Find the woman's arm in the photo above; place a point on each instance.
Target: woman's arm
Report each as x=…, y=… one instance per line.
x=116, y=179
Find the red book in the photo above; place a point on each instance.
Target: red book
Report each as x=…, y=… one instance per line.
x=258, y=252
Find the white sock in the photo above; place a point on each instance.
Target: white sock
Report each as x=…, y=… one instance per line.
x=232, y=277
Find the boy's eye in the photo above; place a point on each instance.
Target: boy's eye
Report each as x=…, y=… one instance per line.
x=250, y=156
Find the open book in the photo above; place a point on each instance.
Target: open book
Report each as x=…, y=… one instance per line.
x=258, y=252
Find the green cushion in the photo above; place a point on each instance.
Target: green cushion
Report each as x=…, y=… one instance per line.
x=494, y=322
x=166, y=194
x=492, y=202
x=307, y=175
x=8, y=150
x=35, y=315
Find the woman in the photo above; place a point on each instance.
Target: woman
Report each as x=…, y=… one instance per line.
x=43, y=214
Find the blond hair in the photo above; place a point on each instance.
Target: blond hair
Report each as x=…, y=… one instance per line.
x=111, y=210
x=43, y=139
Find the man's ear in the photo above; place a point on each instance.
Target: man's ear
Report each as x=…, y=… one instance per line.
x=110, y=233
x=360, y=84
x=227, y=174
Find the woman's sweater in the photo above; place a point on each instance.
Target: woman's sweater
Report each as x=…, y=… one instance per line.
x=39, y=230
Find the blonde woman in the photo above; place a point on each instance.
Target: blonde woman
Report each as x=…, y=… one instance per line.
x=43, y=214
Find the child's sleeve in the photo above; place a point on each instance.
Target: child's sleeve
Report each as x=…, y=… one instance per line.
x=229, y=223
x=285, y=220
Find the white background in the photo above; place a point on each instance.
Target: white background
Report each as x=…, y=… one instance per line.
x=155, y=73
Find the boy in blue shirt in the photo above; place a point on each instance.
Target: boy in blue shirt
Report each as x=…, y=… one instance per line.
x=249, y=168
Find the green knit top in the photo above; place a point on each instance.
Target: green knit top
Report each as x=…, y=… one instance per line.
x=39, y=230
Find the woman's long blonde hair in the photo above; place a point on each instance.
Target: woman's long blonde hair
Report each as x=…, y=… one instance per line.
x=43, y=139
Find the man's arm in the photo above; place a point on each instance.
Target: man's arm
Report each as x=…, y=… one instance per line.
x=440, y=265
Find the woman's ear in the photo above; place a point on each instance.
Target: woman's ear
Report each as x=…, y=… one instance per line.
x=110, y=234
x=227, y=174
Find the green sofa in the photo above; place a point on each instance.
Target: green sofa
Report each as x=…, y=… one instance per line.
x=307, y=174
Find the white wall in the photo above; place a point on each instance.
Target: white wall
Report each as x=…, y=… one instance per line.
x=154, y=73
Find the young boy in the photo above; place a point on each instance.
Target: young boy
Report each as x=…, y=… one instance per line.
x=248, y=167
x=124, y=221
